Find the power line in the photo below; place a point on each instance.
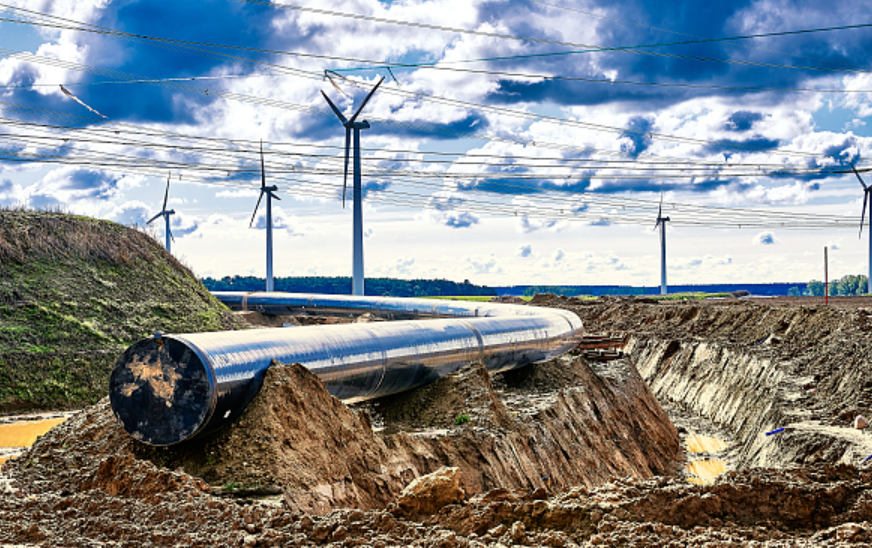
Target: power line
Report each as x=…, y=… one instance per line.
x=747, y=218
x=475, y=106
x=431, y=66
x=419, y=126
x=589, y=48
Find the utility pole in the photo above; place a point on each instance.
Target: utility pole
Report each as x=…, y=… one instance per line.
x=826, y=278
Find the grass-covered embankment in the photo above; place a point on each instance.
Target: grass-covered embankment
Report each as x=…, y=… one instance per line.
x=74, y=293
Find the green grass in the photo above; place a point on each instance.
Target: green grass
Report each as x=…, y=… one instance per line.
x=74, y=293
x=474, y=298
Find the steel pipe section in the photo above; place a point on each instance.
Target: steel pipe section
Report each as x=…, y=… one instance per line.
x=171, y=388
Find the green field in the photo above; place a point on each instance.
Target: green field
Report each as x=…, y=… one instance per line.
x=476, y=299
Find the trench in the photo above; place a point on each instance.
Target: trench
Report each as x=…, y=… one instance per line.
x=768, y=413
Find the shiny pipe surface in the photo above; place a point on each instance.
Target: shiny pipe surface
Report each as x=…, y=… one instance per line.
x=171, y=388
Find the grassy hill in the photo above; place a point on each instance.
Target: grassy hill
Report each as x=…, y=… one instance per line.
x=74, y=293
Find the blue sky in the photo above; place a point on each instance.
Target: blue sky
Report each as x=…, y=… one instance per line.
x=529, y=143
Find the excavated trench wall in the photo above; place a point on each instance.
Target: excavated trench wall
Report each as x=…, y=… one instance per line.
x=737, y=391
x=753, y=369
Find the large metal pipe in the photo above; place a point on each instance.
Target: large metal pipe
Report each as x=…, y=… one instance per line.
x=171, y=388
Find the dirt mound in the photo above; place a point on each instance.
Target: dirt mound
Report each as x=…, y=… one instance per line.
x=819, y=507
x=297, y=439
x=508, y=299
x=465, y=398
x=74, y=293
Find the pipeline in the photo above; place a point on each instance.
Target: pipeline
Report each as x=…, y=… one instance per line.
x=171, y=388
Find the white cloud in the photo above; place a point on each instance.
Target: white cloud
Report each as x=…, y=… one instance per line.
x=482, y=264
x=765, y=238
x=280, y=221
x=11, y=194
x=133, y=213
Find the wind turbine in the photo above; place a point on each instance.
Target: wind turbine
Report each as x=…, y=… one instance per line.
x=661, y=222
x=351, y=124
x=867, y=189
x=166, y=215
x=268, y=190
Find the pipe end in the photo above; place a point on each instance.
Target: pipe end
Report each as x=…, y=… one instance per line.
x=161, y=391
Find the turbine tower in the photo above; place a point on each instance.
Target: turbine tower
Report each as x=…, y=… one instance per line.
x=661, y=222
x=867, y=189
x=166, y=215
x=351, y=124
x=268, y=190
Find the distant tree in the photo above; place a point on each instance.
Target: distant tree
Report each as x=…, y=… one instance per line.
x=814, y=288
x=795, y=291
x=388, y=287
x=849, y=285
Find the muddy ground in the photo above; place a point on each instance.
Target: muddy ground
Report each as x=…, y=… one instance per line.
x=567, y=453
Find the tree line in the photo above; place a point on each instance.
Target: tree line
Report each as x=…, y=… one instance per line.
x=847, y=285
x=341, y=285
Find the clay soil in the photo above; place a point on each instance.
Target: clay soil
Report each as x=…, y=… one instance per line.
x=567, y=453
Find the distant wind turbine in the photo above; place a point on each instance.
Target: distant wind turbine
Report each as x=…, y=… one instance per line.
x=351, y=124
x=661, y=222
x=166, y=215
x=268, y=190
x=867, y=189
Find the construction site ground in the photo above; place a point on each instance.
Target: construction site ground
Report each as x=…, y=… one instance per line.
x=660, y=440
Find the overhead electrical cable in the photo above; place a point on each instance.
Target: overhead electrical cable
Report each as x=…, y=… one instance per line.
x=553, y=119
x=589, y=48
x=742, y=221
x=87, y=27
x=420, y=126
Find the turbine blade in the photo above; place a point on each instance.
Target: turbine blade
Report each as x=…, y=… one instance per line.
x=153, y=218
x=863, y=214
x=858, y=176
x=167, y=193
x=345, y=179
x=365, y=101
x=259, y=198
x=657, y=223
x=328, y=74
x=173, y=238
x=262, y=170
x=336, y=111
x=274, y=196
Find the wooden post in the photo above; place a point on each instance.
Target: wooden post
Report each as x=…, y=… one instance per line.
x=826, y=279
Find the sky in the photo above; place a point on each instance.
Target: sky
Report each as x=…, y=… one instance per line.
x=511, y=142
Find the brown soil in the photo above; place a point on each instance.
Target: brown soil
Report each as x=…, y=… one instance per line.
x=568, y=453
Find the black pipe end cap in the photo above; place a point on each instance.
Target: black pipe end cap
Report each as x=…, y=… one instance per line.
x=160, y=391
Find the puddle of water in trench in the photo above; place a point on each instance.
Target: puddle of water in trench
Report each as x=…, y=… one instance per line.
x=706, y=470
x=697, y=443
x=24, y=434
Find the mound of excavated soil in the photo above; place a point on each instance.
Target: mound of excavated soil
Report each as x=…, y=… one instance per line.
x=298, y=440
x=74, y=293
